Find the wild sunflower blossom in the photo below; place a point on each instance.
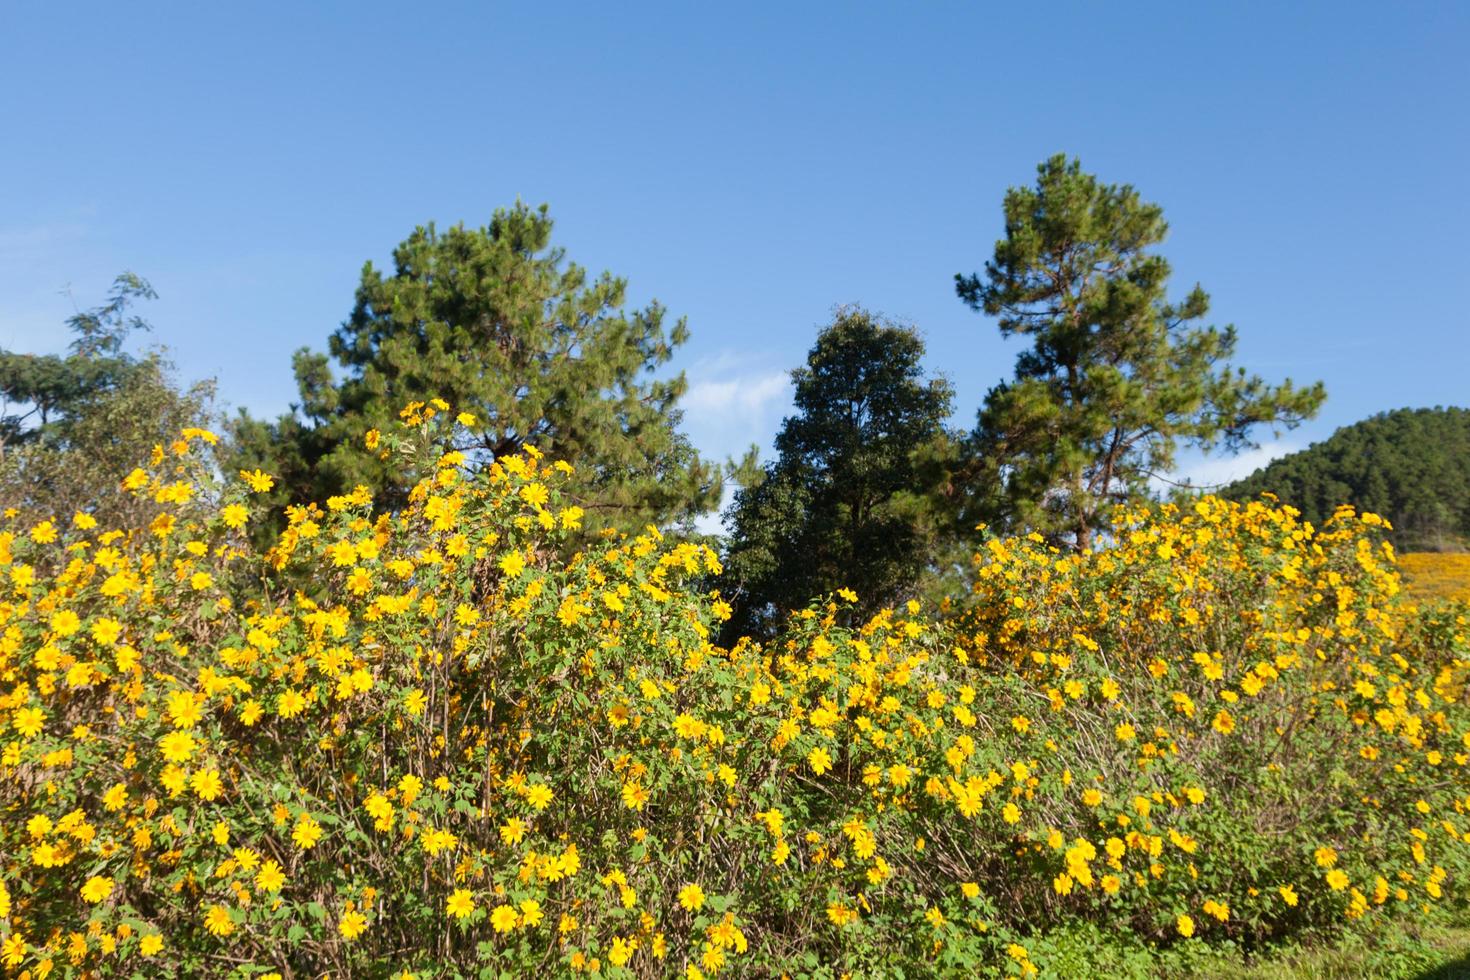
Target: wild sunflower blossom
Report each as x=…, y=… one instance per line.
x=463, y=720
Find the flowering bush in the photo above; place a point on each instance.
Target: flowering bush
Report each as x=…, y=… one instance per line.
x=426, y=744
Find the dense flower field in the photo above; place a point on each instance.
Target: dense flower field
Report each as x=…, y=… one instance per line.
x=428, y=744
x=1437, y=575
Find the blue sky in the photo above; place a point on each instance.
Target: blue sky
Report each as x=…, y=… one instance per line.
x=750, y=166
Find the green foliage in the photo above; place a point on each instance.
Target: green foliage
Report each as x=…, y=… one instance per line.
x=45, y=393
x=83, y=420
x=471, y=756
x=496, y=321
x=844, y=504
x=1411, y=466
x=1116, y=377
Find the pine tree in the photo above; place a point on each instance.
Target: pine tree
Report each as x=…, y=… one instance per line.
x=496, y=322
x=1117, y=376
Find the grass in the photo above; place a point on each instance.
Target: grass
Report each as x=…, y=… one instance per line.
x=1403, y=950
x=1433, y=953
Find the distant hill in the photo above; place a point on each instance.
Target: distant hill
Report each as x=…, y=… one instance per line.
x=1412, y=466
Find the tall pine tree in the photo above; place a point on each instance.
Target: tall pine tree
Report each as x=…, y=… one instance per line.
x=497, y=323
x=1117, y=376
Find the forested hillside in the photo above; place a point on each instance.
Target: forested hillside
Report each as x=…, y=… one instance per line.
x=1412, y=466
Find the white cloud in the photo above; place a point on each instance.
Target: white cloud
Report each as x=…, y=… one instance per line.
x=749, y=395
x=726, y=410
x=1208, y=472
x=714, y=522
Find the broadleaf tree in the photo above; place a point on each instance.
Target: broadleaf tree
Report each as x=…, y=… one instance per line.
x=1117, y=376
x=76, y=424
x=42, y=394
x=846, y=504
x=497, y=323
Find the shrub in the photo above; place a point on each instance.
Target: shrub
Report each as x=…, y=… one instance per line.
x=424, y=743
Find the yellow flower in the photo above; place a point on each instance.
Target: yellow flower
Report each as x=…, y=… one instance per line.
x=535, y=494
x=620, y=951
x=504, y=918
x=65, y=623
x=290, y=704
x=438, y=840
x=258, y=481
x=634, y=796
x=29, y=721
x=691, y=896
x=1185, y=925
x=513, y=831
x=270, y=878
x=531, y=914
x=1337, y=879
x=461, y=903
x=97, y=889
x=538, y=795
x=1288, y=895
x=352, y=925
x=234, y=515
x=106, y=631
x=207, y=784
x=218, y=921
x=513, y=564
x=183, y=709
x=177, y=746
x=820, y=760
x=150, y=944
x=307, y=832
